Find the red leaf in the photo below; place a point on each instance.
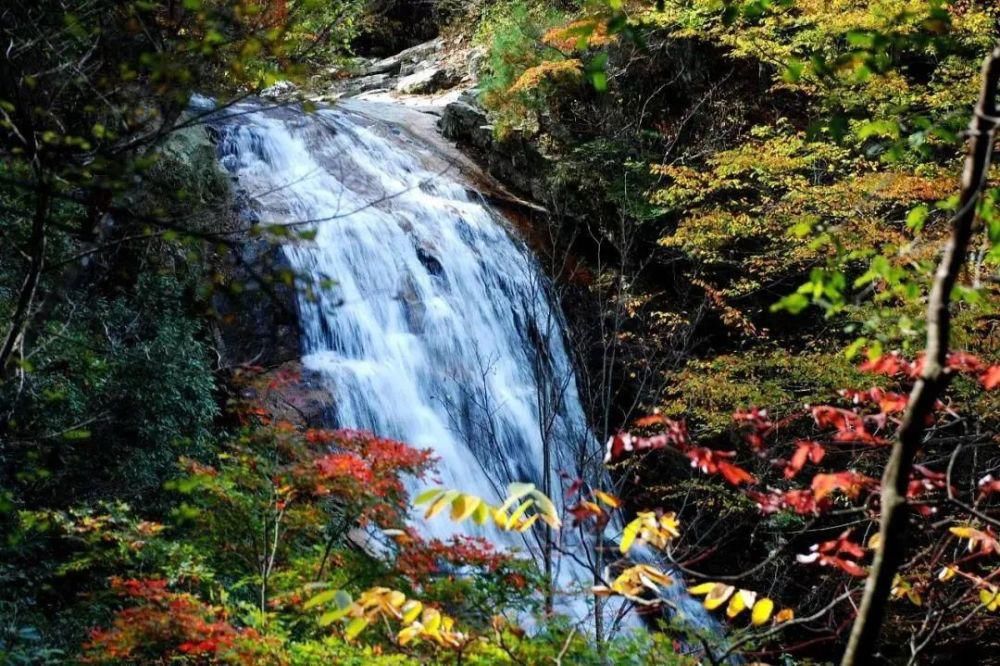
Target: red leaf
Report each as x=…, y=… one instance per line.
x=804, y=450
x=735, y=475
x=886, y=364
x=990, y=379
x=964, y=362
x=849, y=483
x=850, y=426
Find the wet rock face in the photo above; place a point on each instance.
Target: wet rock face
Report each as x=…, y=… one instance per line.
x=290, y=392
x=515, y=161
x=257, y=314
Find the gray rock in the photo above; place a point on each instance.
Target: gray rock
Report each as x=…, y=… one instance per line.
x=278, y=90
x=348, y=87
x=420, y=51
x=515, y=161
x=388, y=65
x=425, y=81
x=474, y=62
x=465, y=122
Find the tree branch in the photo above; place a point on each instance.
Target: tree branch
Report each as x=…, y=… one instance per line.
x=935, y=376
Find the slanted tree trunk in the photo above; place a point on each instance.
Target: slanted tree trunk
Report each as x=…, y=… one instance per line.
x=935, y=376
x=29, y=286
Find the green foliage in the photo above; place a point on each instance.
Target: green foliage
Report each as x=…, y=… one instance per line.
x=514, y=31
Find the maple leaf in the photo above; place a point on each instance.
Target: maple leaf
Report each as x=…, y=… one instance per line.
x=850, y=483
x=805, y=450
x=835, y=553
x=735, y=475
x=990, y=379
x=964, y=362
x=886, y=364
x=849, y=425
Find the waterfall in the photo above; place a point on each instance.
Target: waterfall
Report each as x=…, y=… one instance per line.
x=436, y=327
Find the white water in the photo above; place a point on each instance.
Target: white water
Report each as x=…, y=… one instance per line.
x=438, y=329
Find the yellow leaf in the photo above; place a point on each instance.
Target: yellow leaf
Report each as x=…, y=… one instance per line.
x=526, y=524
x=432, y=620
x=440, y=504
x=736, y=605
x=962, y=532
x=990, y=598
x=519, y=512
x=547, y=509
x=670, y=524
x=427, y=496
x=718, y=595
x=629, y=534
x=500, y=518
x=701, y=589
x=411, y=611
x=608, y=499
x=408, y=634
x=947, y=573
x=463, y=506
x=516, y=491
x=761, y=612
x=397, y=599
x=482, y=513
x=355, y=627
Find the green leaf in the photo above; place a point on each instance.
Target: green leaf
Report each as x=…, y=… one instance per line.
x=355, y=627
x=917, y=217
x=330, y=617
x=428, y=495
x=320, y=599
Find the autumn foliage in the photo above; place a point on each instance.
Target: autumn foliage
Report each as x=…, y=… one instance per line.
x=161, y=626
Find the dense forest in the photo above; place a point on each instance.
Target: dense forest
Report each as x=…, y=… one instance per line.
x=499, y=332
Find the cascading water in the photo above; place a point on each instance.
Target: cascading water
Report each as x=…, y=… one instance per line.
x=437, y=327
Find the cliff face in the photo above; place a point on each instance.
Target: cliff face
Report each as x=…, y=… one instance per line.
x=251, y=310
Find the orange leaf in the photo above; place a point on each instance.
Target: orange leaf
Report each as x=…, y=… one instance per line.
x=735, y=475
x=991, y=378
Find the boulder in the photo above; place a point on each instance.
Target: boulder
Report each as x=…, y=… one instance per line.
x=348, y=87
x=465, y=122
x=514, y=161
x=425, y=81
x=388, y=65
x=279, y=90
x=420, y=51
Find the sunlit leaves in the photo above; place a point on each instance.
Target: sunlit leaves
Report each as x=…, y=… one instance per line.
x=990, y=598
x=512, y=515
x=641, y=583
x=419, y=622
x=982, y=541
x=651, y=529
x=717, y=594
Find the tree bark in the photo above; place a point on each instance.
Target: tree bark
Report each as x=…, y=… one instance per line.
x=36, y=262
x=935, y=376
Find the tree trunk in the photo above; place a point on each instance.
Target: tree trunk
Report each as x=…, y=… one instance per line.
x=36, y=262
x=935, y=376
